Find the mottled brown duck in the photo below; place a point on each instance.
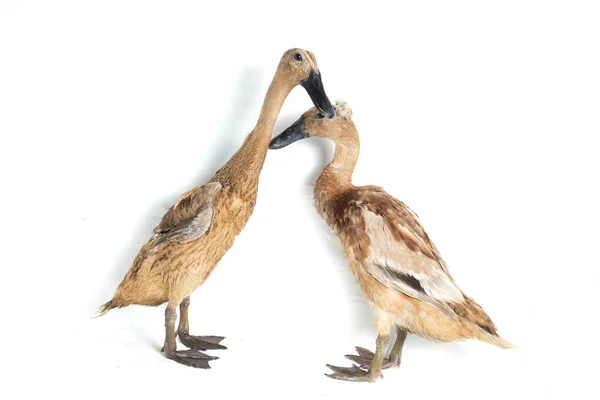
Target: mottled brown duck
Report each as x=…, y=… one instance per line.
x=398, y=268
x=202, y=225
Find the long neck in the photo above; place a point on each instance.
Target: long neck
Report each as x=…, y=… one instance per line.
x=276, y=94
x=244, y=167
x=337, y=175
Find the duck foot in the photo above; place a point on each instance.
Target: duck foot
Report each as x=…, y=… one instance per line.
x=365, y=358
x=352, y=374
x=201, y=342
x=192, y=358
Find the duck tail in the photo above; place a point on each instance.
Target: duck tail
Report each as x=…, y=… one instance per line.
x=109, y=305
x=485, y=330
x=498, y=341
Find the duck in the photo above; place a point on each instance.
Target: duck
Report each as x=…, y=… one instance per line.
x=399, y=269
x=196, y=231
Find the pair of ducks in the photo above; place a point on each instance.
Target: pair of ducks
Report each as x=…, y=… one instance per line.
x=398, y=268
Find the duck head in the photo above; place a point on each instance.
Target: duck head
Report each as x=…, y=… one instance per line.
x=299, y=67
x=314, y=123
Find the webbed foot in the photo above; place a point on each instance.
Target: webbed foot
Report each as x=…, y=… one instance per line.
x=352, y=374
x=192, y=358
x=202, y=342
x=365, y=358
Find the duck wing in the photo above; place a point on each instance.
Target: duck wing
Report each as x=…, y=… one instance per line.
x=397, y=251
x=190, y=217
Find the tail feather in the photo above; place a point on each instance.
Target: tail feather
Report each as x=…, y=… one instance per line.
x=472, y=312
x=106, y=307
x=497, y=341
x=109, y=305
x=486, y=330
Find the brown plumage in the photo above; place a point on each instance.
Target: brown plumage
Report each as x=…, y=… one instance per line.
x=397, y=266
x=202, y=225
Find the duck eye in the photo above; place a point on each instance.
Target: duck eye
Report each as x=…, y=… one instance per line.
x=320, y=116
x=298, y=57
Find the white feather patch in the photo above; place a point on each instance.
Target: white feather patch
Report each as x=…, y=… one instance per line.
x=342, y=108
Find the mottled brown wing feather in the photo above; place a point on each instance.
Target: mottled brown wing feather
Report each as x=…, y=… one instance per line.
x=190, y=217
x=400, y=254
x=466, y=308
x=412, y=220
x=388, y=239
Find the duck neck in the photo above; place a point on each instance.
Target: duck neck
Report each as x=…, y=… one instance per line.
x=337, y=175
x=246, y=164
x=276, y=94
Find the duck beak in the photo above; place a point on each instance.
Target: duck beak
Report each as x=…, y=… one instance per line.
x=314, y=87
x=293, y=133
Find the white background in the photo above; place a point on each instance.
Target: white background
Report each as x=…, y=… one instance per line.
x=482, y=117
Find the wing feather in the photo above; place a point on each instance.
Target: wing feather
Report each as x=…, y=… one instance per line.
x=190, y=217
x=400, y=254
x=395, y=249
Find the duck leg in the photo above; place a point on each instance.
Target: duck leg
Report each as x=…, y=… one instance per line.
x=356, y=374
x=365, y=357
x=192, y=358
x=396, y=354
x=195, y=342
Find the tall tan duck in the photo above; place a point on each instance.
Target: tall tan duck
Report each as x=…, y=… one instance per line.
x=398, y=268
x=202, y=225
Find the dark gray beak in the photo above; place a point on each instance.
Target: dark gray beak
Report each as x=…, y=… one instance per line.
x=293, y=133
x=314, y=87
